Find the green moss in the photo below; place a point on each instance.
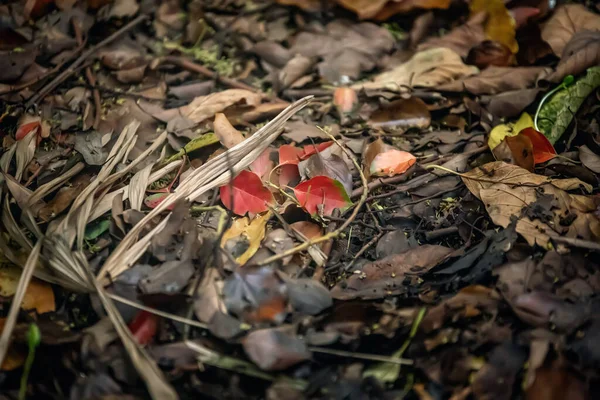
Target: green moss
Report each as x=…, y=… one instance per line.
x=208, y=57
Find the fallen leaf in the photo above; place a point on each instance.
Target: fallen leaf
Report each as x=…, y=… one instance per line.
x=253, y=232
x=488, y=53
x=581, y=53
x=307, y=5
x=289, y=154
x=403, y=113
x=461, y=39
x=14, y=63
x=565, y=22
x=500, y=26
x=38, y=295
x=227, y=134
x=274, y=350
x=542, y=148
x=143, y=327
x=428, y=68
x=299, y=131
x=381, y=159
x=15, y=354
x=294, y=69
x=510, y=104
x=556, y=115
x=345, y=99
x=327, y=164
x=381, y=10
x=590, y=159
x=494, y=80
x=501, y=131
x=517, y=150
x=311, y=149
x=153, y=200
x=554, y=383
x=321, y=195
x=249, y=194
x=263, y=165
x=387, y=277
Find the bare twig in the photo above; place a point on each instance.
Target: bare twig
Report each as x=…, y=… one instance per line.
x=362, y=356
x=73, y=67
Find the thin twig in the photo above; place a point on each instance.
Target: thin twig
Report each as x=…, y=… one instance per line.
x=73, y=67
x=336, y=233
x=362, y=356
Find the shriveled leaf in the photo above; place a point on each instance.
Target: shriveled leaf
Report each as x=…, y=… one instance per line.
x=321, y=195
x=403, y=113
x=581, y=53
x=39, y=295
x=308, y=296
x=253, y=232
x=567, y=20
x=208, y=300
x=428, y=68
x=488, y=53
x=556, y=115
x=274, y=350
x=387, y=277
x=249, y=194
x=500, y=26
x=227, y=134
x=590, y=159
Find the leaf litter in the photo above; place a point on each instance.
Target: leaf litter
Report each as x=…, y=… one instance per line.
x=300, y=199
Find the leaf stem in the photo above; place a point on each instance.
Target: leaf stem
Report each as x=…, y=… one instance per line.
x=34, y=337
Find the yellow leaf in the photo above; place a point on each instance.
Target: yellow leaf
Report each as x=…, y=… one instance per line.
x=253, y=231
x=500, y=25
x=501, y=131
x=38, y=296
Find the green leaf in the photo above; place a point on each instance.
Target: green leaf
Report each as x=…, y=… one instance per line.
x=96, y=229
x=194, y=144
x=556, y=115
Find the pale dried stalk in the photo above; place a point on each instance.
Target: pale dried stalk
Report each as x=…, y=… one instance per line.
x=11, y=320
x=137, y=187
x=212, y=174
x=55, y=183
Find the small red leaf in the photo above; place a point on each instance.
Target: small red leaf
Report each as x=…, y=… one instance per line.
x=263, y=165
x=155, y=199
x=322, y=195
x=143, y=327
x=542, y=148
x=311, y=149
x=288, y=173
x=25, y=129
x=249, y=194
x=345, y=99
x=289, y=154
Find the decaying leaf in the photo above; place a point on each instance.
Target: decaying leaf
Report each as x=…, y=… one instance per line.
x=227, y=134
x=274, y=350
x=386, y=277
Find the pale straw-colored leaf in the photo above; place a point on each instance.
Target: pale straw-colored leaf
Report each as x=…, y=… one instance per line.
x=24, y=153
x=7, y=157
x=47, y=188
x=137, y=187
x=13, y=229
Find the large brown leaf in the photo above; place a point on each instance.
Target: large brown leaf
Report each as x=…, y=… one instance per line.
x=541, y=205
x=581, y=53
x=386, y=277
x=460, y=39
x=566, y=22
x=495, y=80
x=427, y=68
x=383, y=9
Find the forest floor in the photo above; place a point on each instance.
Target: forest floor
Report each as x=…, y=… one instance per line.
x=300, y=199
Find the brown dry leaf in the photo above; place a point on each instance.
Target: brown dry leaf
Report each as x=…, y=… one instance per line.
x=590, y=159
x=427, y=68
x=208, y=300
x=387, y=277
x=307, y=5
x=509, y=191
x=39, y=294
x=274, y=350
x=403, y=113
x=497, y=80
x=488, y=53
x=517, y=150
x=510, y=104
x=581, y=53
x=566, y=21
x=383, y=9
x=460, y=39
x=253, y=231
x=295, y=69
x=555, y=383
x=227, y=134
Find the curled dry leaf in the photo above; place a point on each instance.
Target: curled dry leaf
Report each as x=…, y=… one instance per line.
x=227, y=134
x=321, y=195
x=566, y=21
x=249, y=194
x=253, y=232
x=403, y=113
x=387, y=277
x=327, y=164
x=345, y=99
x=590, y=159
x=428, y=68
x=381, y=159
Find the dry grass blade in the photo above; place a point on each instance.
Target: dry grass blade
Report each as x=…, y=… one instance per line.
x=210, y=175
x=24, y=153
x=137, y=187
x=56, y=183
x=11, y=320
x=159, y=388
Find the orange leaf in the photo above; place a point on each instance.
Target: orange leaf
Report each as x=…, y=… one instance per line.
x=311, y=149
x=345, y=99
x=522, y=151
x=38, y=296
x=289, y=154
x=391, y=162
x=542, y=148
x=249, y=194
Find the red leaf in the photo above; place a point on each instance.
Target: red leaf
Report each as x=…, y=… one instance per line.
x=249, y=194
x=25, y=129
x=311, y=149
x=345, y=99
x=322, y=192
x=263, y=165
x=155, y=199
x=542, y=148
x=289, y=154
x=288, y=173
x=143, y=327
